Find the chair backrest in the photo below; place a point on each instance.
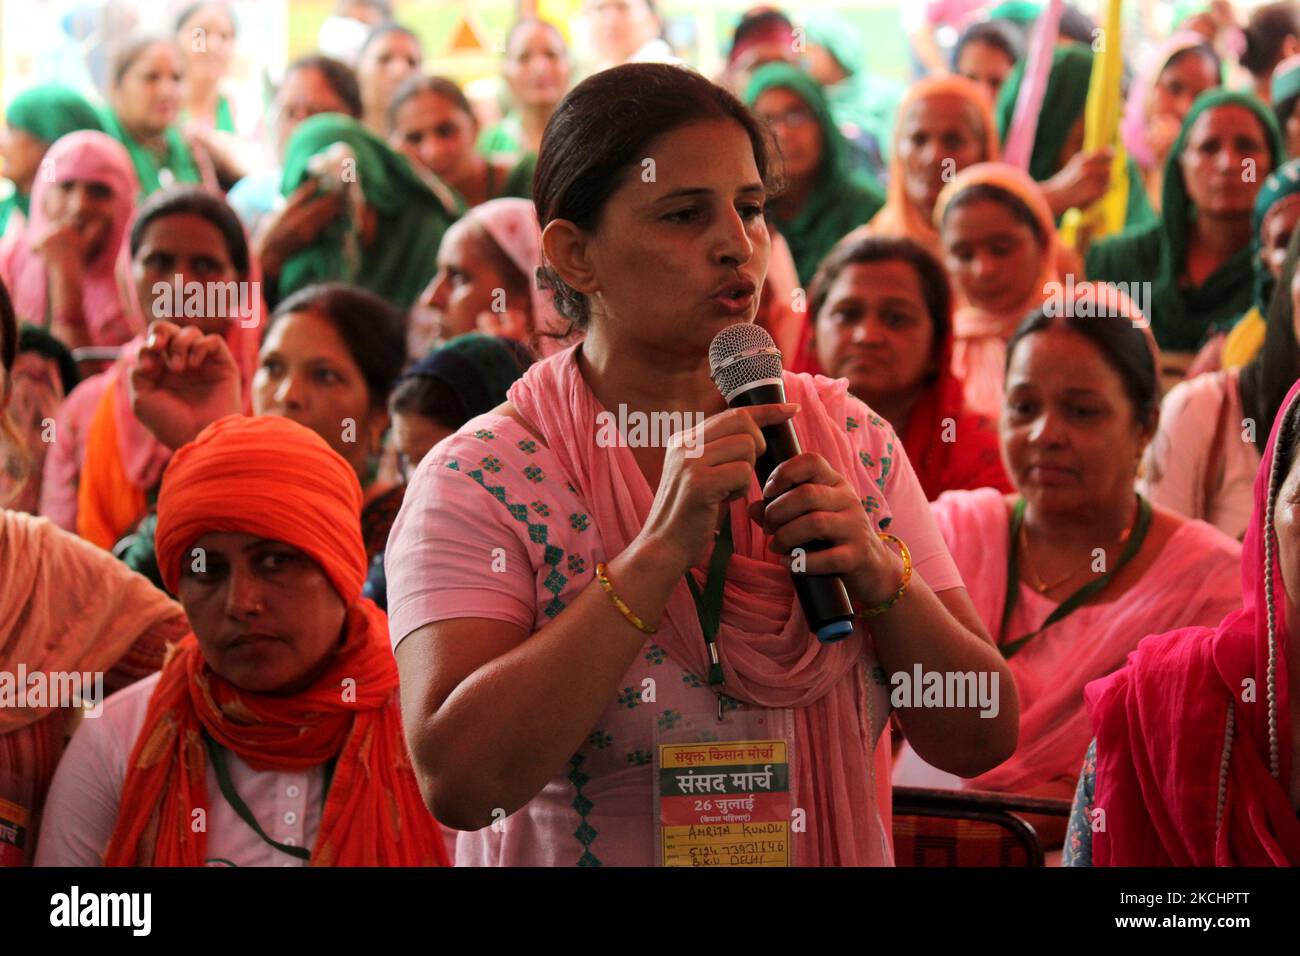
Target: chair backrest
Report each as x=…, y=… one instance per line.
x=968, y=827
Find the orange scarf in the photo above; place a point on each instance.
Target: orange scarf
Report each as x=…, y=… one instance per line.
x=108, y=502
x=275, y=479
x=899, y=217
x=374, y=814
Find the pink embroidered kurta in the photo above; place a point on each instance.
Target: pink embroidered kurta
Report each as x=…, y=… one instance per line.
x=1194, y=581
x=495, y=526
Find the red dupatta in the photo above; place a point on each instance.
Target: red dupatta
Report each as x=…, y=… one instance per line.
x=1188, y=773
x=945, y=458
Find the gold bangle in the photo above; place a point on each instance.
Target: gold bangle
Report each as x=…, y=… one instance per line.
x=623, y=609
x=907, y=577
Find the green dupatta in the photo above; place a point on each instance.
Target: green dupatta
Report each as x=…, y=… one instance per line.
x=179, y=161
x=1180, y=315
x=1067, y=92
x=842, y=198
x=402, y=258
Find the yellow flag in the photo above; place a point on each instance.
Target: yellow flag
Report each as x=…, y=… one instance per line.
x=1101, y=129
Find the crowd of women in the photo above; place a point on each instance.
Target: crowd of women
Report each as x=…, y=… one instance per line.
x=301, y=454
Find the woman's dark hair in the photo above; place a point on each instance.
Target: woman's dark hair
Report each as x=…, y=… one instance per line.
x=339, y=76
x=934, y=283
x=757, y=19
x=601, y=128
x=373, y=331
x=430, y=398
x=8, y=330
x=988, y=192
x=437, y=85
x=1268, y=376
x=999, y=34
x=42, y=343
x=8, y=356
x=177, y=200
x=1076, y=25
x=1266, y=32
x=450, y=387
x=382, y=31
x=130, y=49
x=1120, y=341
x=192, y=8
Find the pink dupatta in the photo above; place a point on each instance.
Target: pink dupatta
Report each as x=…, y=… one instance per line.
x=1186, y=770
x=769, y=656
x=84, y=155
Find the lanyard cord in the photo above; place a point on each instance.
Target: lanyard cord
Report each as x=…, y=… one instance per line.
x=708, y=603
x=217, y=754
x=1079, y=597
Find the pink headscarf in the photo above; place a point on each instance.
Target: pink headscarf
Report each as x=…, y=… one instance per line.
x=769, y=656
x=83, y=155
x=1133, y=128
x=512, y=224
x=1187, y=770
x=979, y=346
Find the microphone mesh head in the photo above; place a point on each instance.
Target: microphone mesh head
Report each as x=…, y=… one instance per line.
x=741, y=354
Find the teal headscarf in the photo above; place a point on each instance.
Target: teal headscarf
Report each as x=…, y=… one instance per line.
x=1157, y=253
x=842, y=199
x=1067, y=94
x=859, y=100
x=401, y=260
x=1064, y=101
x=1022, y=13
x=1285, y=84
x=49, y=111
x=1282, y=187
x=478, y=368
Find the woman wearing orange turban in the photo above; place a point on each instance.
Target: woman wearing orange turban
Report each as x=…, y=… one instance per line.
x=272, y=735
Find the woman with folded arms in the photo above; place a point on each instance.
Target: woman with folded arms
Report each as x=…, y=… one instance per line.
x=277, y=716
x=515, y=712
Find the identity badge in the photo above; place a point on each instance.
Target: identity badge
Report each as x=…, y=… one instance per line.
x=725, y=803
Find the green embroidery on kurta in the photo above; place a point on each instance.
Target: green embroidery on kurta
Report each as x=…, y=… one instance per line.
x=538, y=534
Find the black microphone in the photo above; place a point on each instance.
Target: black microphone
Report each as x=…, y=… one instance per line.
x=745, y=364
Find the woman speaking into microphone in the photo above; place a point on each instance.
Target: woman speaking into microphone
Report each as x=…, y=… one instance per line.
x=602, y=658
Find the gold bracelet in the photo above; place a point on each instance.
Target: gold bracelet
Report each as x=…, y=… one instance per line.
x=907, y=577
x=623, y=609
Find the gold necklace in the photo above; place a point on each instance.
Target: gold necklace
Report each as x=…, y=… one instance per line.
x=1037, y=583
